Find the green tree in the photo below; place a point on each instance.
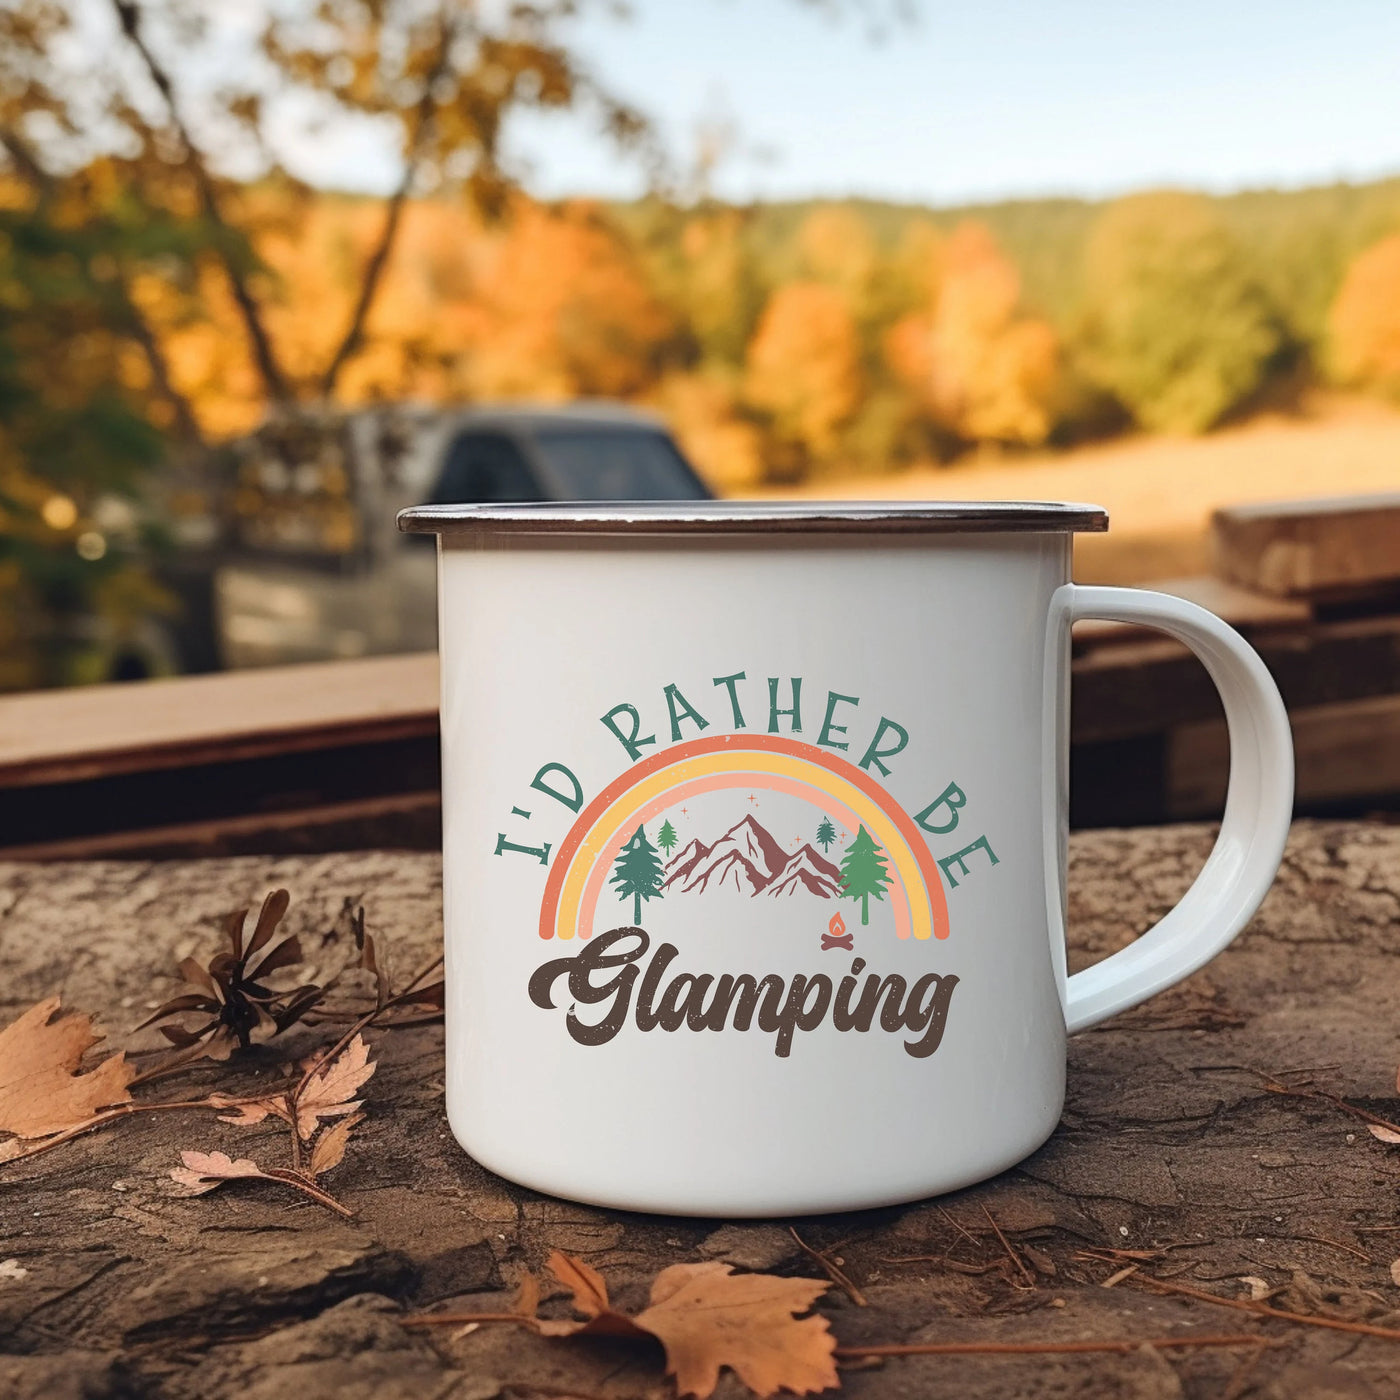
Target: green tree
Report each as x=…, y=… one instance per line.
x=78, y=442
x=1178, y=327
x=638, y=872
x=864, y=873
x=826, y=834
x=666, y=838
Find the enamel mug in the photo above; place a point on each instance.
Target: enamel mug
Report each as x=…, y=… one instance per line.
x=754, y=828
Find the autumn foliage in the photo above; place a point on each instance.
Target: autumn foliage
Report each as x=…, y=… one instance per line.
x=1364, y=325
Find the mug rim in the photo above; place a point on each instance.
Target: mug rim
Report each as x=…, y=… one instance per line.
x=754, y=517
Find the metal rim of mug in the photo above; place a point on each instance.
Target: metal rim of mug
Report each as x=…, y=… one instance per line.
x=755, y=518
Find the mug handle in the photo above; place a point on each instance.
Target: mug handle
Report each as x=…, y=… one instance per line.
x=1258, y=804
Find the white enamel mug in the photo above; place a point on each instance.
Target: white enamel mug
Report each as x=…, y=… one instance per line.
x=754, y=843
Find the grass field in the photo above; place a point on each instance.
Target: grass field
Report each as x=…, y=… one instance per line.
x=1160, y=492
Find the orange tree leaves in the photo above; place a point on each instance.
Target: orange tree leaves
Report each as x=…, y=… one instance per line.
x=41, y=1090
x=706, y=1317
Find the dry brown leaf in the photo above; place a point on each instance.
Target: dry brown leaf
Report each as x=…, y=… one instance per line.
x=1385, y=1134
x=41, y=1090
x=330, y=1147
x=583, y=1281
x=329, y=1093
x=250, y=1112
x=1395, y=1273
x=203, y=1171
x=707, y=1317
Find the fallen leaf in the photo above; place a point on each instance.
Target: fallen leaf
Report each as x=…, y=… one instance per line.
x=1385, y=1134
x=41, y=1089
x=1258, y=1288
x=330, y=1147
x=250, y=1112
x=229, y=996
x=203, y=1171
x=583, y=1281
x=329, y=1093
x=707, y=1317
x=1395, y=1273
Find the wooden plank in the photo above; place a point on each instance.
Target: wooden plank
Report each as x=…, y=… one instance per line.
x=1345, y=753
x=1336, y=548
x=1144, y=687
x=97, y=731
x=404, y=821
x=1240, y=607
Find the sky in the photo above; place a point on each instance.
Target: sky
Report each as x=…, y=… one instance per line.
x=976, y=99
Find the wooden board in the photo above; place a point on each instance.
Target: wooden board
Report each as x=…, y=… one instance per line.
x=1333, y=548
x=1170, y=1146
x=97, y=731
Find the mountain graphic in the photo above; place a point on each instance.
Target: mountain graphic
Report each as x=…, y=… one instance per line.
x=806, y=870
x=747, y=860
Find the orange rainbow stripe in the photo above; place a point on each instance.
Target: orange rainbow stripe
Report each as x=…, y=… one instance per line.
x=579, y=871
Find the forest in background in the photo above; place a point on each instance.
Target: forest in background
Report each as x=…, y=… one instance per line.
x=784, y=342
x=166, y=283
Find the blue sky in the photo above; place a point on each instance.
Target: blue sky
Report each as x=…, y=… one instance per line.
x=983, y=99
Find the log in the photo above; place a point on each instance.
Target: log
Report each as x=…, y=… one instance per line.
x=1171, y=1145
x=1345, y=547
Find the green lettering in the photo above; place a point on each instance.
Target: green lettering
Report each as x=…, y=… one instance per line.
x=574, y=800
x=951, y=797
x=542, y=852
x=875, y=753
x=728, y=682
x=959, y=858
x=795, y=712
x=828, y=728
x=688, y=711
x=630, y=742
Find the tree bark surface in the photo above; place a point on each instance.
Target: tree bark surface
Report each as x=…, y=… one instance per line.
x=1171, y=1144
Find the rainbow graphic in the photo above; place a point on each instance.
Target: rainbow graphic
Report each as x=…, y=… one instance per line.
x=580, y=869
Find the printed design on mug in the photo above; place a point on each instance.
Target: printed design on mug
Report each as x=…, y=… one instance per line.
x=609, y=854
x=699, y=825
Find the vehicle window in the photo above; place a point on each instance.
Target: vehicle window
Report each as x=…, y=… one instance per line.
x=482, y=467
x=618, y=465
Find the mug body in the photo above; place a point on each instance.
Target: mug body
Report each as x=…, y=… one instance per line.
x=745, y=859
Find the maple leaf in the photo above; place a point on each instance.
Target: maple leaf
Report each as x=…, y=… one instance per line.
x=41, y=1088
x=707, y=1317
x=329, y=1092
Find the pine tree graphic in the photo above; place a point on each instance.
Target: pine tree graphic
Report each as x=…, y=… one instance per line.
x=863, y=873
x=638, y=872
x=666, y=838
x=826, y=834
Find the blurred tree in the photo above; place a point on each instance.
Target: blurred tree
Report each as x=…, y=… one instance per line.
x=563, y=311
x=804, y=370
x=981, y=369
x=442, y=76
x=1364, y=322
x=1177, y=326
x=76, y=442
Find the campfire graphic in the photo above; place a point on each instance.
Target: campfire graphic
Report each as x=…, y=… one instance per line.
x=747, y=860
